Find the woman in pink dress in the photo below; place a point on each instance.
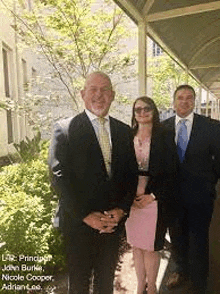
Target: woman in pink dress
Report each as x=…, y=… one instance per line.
x=148, y=220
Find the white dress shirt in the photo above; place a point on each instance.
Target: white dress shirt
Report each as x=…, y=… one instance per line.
x=93, y=118
x=189, y=123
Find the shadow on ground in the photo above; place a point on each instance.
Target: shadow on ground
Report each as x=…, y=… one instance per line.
x=125, y=279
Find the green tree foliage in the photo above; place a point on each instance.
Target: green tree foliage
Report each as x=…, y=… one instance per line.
x=78, y=37
x=166, y=75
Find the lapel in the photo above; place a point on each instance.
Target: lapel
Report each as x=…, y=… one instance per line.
x=156, y=149
x=196, y=127
x=114, y=140
x=171, y=123
x=151, y=165
x=91, y=140
x=88, y=130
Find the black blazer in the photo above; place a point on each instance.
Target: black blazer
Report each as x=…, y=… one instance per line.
x=162, y=165
x=200, y=169
x=79, y=175
x=163, y=174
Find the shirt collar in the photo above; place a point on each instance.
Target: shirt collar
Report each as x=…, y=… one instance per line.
x=92, y=116
x=189, y=118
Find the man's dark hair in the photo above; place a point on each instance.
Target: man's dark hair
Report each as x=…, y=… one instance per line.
x=188, y=87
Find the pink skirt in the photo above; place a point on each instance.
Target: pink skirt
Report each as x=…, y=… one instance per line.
x=141, y=226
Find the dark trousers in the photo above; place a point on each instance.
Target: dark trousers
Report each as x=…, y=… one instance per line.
x=190, y=242
x=92, y=259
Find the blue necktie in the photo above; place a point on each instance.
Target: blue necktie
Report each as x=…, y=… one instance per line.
x=182, y=139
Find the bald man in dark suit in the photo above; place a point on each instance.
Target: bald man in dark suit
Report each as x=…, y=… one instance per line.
x=96, y=185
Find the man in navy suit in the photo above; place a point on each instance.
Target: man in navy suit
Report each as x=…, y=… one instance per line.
x=95, y=193
x=198, y=146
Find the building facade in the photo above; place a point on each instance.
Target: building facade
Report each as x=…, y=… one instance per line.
x=16, y=74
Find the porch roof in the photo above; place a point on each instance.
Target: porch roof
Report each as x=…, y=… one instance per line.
x=189, y=31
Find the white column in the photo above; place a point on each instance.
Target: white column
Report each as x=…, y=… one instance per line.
x=199, y=100
x=142, y=58
x=212, y=106
x=216, y=108
x=187, y=75
x=218, y=104
x=207, y=103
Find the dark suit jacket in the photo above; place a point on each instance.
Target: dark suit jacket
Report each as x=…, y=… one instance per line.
x=79, y=175
x=200, y=169
x=163, y=167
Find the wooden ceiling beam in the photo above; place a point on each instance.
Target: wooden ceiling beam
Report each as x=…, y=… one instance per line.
x=201, y=66
x=147, y=7
x=127, y=5
x=184, y=11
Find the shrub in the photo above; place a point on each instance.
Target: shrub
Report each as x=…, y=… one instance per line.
x=29, y=148
x=27, y=206
x=24, y=225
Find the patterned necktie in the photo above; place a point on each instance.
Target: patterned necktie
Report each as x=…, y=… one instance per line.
x=105, y=144
x=182, y=139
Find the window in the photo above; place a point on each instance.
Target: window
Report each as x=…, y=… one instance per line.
x=33, y=73
x=6, y=71
x=157, y=51
x=10, y=126
x=33, y=76
x=24, y=72
x=29, y=4
x=26, y=4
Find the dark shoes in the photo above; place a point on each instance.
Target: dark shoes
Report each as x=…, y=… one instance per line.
x=175, y=280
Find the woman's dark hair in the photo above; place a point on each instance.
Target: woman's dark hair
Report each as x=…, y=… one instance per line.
x=156, y=117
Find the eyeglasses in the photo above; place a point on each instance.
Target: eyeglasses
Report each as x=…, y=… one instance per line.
x=145, y=109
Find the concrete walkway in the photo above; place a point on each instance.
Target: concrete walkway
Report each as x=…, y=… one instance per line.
x=126, y=279
x=126, y=283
